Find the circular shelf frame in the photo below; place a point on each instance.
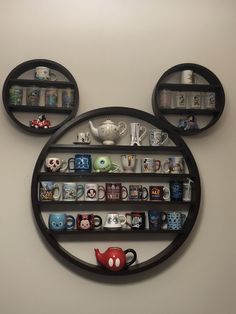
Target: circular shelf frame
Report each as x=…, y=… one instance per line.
x=51, y=145
x=13, y=79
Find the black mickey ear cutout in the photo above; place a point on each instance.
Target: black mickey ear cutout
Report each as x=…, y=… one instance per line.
x=40, y=96
x=189, y=97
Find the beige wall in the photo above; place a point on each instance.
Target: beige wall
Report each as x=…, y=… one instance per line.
x=116, y=51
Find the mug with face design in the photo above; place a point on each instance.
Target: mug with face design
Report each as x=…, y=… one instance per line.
x=94, y=192
x=88, y=221
x=43, y=73
x=60, y=222
x=54, y=164
x=49, y=191
x=128, y=163
x=114, y=221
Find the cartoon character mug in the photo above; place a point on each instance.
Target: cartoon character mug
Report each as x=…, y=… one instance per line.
x=60, y=222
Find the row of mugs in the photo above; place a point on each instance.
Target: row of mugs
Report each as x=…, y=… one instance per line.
x=72, y=191
x=173, y=220
x=83, y=163
x=33, y=94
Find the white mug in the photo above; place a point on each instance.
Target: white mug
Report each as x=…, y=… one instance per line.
x=44, y=74
x=114, y=221
x=128, y=162
x=157, y=137
x=92, y=192
x=72, y=191
x=187, y=77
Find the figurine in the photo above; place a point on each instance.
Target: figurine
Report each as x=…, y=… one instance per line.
x=41, y=122
x=188, y=123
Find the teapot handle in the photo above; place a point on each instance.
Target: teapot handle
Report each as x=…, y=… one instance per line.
x=122, y=127
x=144, y=131
x=133, y=259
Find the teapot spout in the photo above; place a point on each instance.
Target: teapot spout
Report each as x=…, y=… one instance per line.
x=93, y=129
x=100, y=257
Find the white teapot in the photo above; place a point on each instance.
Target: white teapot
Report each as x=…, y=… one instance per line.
x=107, y=132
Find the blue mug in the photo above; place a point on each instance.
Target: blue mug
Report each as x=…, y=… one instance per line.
x=80, y=163
x=175, y=220
x=60, y=222
x=176, y=191
x=156, y=219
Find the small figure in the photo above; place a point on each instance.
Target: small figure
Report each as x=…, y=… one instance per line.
x=188, y=123
x=40, y=122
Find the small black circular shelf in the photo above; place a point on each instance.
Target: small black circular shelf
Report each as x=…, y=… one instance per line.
x=58, y=143
x=16, y=77
x=170, y=81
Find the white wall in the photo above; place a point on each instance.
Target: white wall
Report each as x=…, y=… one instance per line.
x=117, y=50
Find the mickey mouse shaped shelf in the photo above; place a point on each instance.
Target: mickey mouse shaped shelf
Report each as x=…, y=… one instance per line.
x=40, y=96
x=189, y=97
x=119, y=151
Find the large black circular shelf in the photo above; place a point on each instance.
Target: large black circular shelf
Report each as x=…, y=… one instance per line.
x=58, y=143
x=23, y=76
x=207, y=83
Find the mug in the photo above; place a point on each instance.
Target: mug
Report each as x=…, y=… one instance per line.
x=116, y=192
x=195, y=100
x=159, y=193
x=15, y=95
x=137, y=133
x=180, y=100
x=32, y=96
x=88, y=222
x=71, y=191
x=209, y=100
x=44, y=74
x=83, y=138
x=176, y=191
x=150, y=165
x=187, y=77
x=175, y=220
x=114, y=221
x=157, y=137
x=137, y=220
x=156, y=219
x=174, y=165
x=91, y=192
x=128, y=163
x=138, y=192
x=51, y=97
x=54, y=164
x=60, y=222
x=67, y=97
x=80, y=163
x=49, y=191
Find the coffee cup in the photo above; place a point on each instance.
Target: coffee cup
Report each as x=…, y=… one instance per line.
x=49, y=191
x=32, y=96
x=60, y=222
x=137, y=220
x=55, y=164
x=176, y=191
x=173, y=165
x=157, y=137
x=88, y=221
x=114, y=221
x=15, y=95
x=116, y=192
x=159, y=193
x=150, y=165
x=156, y=219
x=51, y=97
x=175, y=220
x=43, y=73
x=94, y=192
x=67, y=98
x=137, y=192
x=128, y=163
x=72, y=191
x=80, y=163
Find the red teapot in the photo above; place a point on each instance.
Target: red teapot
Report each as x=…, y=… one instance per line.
x=114, y=258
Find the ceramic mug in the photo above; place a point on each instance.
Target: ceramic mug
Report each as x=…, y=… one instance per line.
x=49, y=191
x=187, y=77
x=176, y=191
x=60, y=222
x=128, y=163
x=175, y=220
x=150, y=165
x=88, y=221
x=83, y=138
x=32, y=96
x=156, y=219
x=55, y=164
x=138, y=192
x=157, y=137
x=44, y=74
x=137, y=220
x=114, y=221
x=173, y=165
x=116, y=192
x=15, y=95
x=51, y=97
x=137, y=133
x=159, y=193
x=72, y=191
x=67, y=97
x=80, y=163
x=92, y=192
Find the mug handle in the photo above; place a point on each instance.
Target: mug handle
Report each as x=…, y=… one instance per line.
x=165, y=135
x=166, y=191
x=99, y=221
x=133, y=258
x=122, y=127
x=70, y=222
x=56, y=192
x=64, y=164
x=53, y=77
x=80, y=190
x=163, y=217
x=101, y=188
x=166, y=162
x=124, y=220
x=124, y=189
x=70, y=161
x=144, y=131
x=116, y=168
x=127, y=223
x=144, y=189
